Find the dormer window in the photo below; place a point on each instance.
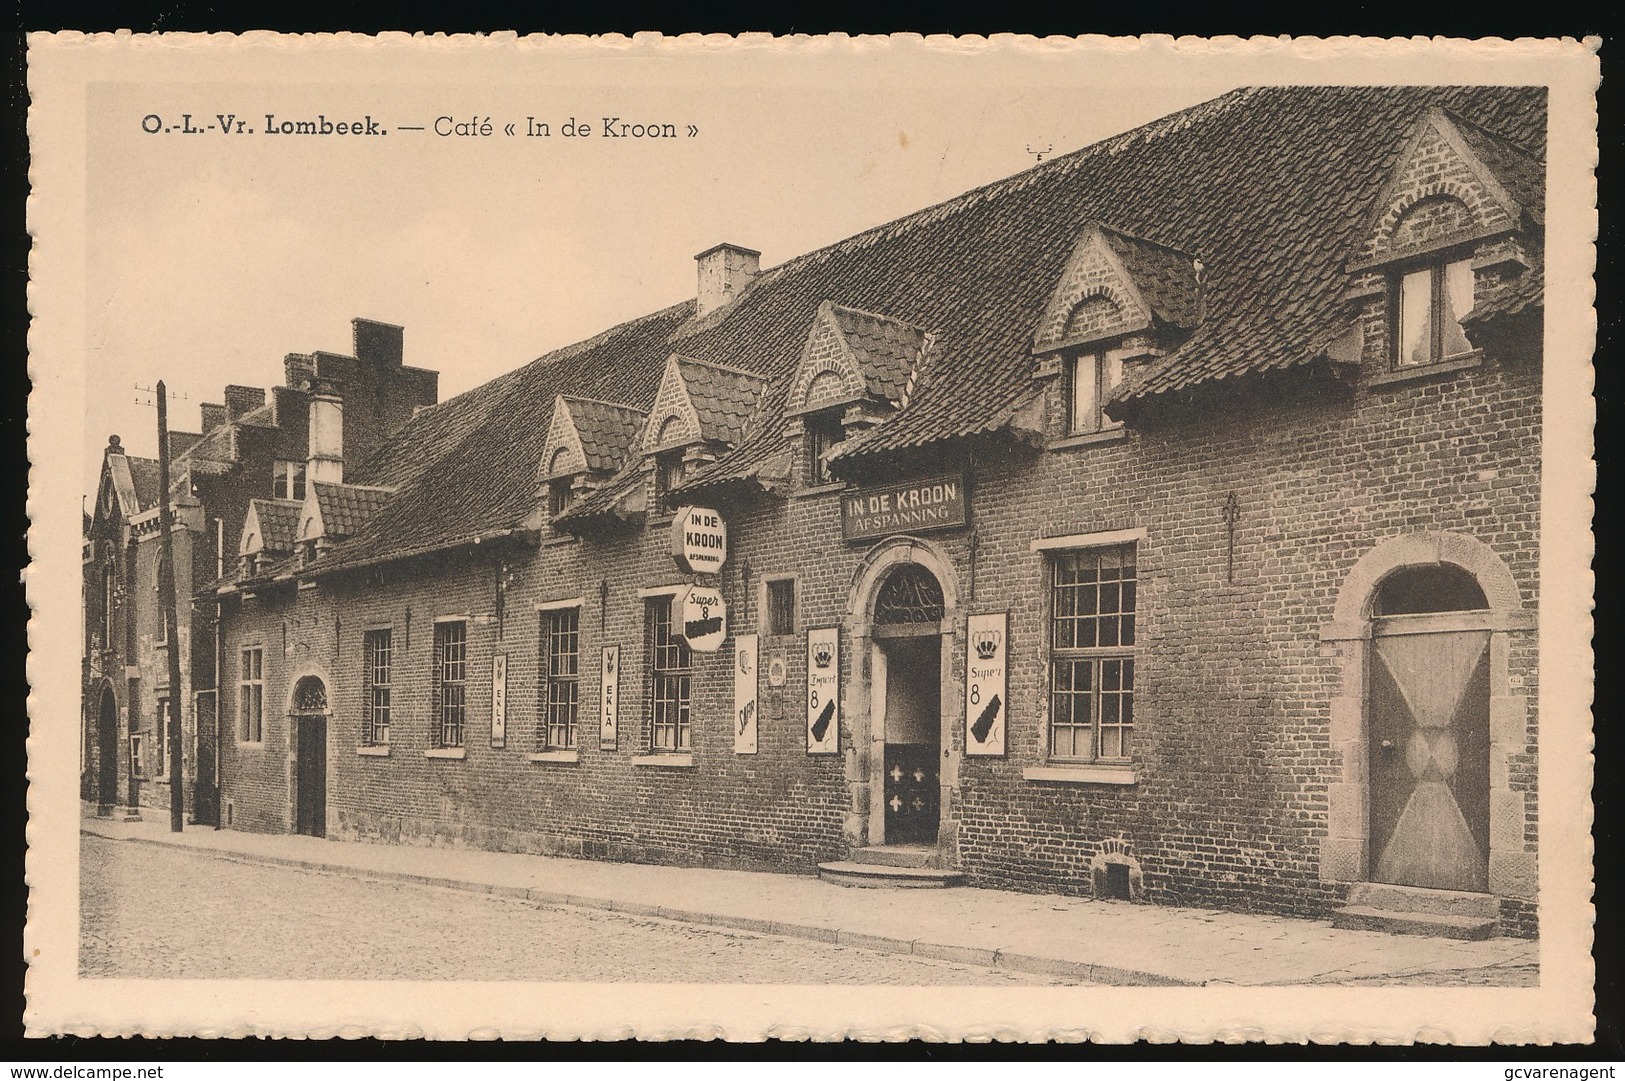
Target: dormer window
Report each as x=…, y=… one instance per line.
x=1428, y=306
x=558, y=497
x=1088, y=380
x=824, y=431
x=668, y=475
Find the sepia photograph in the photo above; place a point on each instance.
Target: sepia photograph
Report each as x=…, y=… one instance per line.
x=832, y=537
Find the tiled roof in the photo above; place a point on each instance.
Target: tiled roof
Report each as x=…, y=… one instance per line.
x=346, y=508
x=1166, y=278
x=606, y=430
x=886, y=350
x=1513, y=297
x=279, y=522
x=724, y=398
x=144, y=475
x=1523, y=174
x=620, y=499
x=1270, y=188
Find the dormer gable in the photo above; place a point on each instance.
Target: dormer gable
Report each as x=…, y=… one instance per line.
x=1115, y=285
x=587, y=436
x=270, y=527
x=1444, y=190
x=700, y=402
x=331, y=512
x=853, y=355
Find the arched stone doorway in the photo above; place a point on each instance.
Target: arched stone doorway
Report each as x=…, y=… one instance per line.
x=902, y=705
x=107, y=752
x=1426, y=721
x=308, y=713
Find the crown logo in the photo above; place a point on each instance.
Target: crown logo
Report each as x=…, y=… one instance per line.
x=986, y=644
x=822, y=655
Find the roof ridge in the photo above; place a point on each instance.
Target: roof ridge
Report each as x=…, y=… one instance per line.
x=878, y=315
x=1504, y=140
x=1138, y=239
x=684, y=358
x=600, y=401
x=388, y=489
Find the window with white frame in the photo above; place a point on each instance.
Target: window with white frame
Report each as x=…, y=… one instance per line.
x=161, y=737
x=377, y=683
x=1088, y=380
x=251, y=696
x=670, y=672
x=1428, y=305
x=560, y=665
x=450, y=682
x=290, y=480
x=1092, y=633
x=166, y=604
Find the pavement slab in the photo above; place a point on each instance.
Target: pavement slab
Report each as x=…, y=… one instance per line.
x=1114, y=941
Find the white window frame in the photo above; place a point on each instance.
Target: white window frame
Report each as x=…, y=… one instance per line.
x=250, y=689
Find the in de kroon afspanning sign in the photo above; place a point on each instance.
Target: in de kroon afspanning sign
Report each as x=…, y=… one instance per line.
x=916, y=506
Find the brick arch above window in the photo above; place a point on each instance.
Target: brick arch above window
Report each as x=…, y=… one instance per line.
x=1095, y=316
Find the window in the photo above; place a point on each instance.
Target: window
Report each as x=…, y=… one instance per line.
x=668, y=475
x=251, y=696
x=1092, y=600
x=824, y=431
x=166, y=606
x=1429, y=306
x=561, y=671
x=450, y=682
x=1089, y=380
x=558, y=497
x=781, y=606
x=669, y=668
x=109, y=600
x=290, y=480
x=160, y=757
x=378, y=652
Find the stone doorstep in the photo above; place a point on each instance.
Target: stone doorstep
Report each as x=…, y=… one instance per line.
x=1438, y=925
x=895, y=855
x=987, y=958
x=885, y=876
x=1392, y=898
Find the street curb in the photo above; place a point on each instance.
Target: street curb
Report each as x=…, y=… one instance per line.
x=969, y=955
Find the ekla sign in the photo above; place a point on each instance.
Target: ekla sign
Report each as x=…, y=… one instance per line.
x=699, y=540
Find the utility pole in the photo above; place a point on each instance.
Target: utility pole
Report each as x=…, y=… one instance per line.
x=166, y=523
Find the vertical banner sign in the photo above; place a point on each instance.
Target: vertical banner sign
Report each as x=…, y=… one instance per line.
x=823, y=690
x=986, y=693
x=609, y=697
x=746, y=655
x=499, y=700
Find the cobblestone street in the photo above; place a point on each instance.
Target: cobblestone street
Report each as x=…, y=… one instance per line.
x=242, y=920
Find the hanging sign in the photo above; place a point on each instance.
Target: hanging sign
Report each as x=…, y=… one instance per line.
x=609, y=696
x=745, y=658
x=823, y=690
x=705, y=618
x=699, y=540
x=499, y=700
x=986, y=693
x=913, y=507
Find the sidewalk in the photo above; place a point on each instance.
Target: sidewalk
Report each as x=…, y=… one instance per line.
x=1093, y=941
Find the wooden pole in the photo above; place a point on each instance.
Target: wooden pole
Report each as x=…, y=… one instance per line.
x=166, y=522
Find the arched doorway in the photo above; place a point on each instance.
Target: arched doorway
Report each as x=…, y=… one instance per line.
x=1429, y=724
x=107, y=753
x=1432, y=646
x=907, y=630
x=308, y=715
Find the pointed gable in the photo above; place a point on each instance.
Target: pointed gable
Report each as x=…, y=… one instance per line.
x=331, y=511
x=587, y=436
x=699, y=401
x=1117, y=284
x=271, y=525
x=851, y=354
x=1444, y=189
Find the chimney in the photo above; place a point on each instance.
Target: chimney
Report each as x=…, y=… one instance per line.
x=725, y=270
x=325, y=438
x=296, y=368
x=243, y=400
x=214, y=415
x=378, y=344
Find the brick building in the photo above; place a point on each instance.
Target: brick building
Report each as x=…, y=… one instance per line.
x=252, y=451
x=1161, y=522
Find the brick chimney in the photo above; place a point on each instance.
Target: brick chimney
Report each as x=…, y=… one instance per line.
x=326, y=437
x=243, y=400
x=296, y=368
x=380, y=344
x=725, y=270
x=214, y=415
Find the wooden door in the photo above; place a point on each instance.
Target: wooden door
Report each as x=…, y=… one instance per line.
x=310, y=800
x=1429, y=730
x=107, y=751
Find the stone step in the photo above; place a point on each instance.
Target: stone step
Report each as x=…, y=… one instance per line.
x=878, y=876
x=1381, y=895
x=1438, y=925
x=895, y=855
